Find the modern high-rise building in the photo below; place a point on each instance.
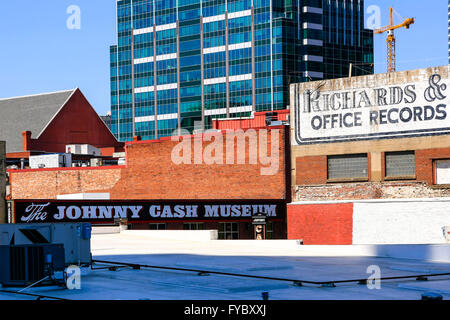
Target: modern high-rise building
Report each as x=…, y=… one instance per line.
x=181, y=63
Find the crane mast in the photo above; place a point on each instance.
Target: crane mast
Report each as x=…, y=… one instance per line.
x=390, y=40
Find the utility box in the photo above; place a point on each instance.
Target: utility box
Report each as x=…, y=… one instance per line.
x=96, y=162
x=59, y=160
x=84, y=149
x=271, y=117
x=75, y=237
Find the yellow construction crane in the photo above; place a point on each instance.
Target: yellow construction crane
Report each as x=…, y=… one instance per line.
x=391, y=64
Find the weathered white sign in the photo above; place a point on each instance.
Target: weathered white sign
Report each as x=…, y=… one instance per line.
x=398, y=110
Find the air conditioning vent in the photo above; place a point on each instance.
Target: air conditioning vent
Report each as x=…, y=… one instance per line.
x=22, y=265
x=271, y=117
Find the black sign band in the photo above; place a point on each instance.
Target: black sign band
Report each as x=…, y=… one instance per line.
x=27, y=211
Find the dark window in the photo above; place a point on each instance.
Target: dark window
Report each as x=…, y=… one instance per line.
x=269, y=230
x=157, y=226
x=194, y=226
x=228, y=230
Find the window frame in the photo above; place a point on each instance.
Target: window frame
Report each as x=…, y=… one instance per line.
x=435, y=184
x=158, y=226
x=398, y=177
x=189, y=225
x=348, y=179
x=225, y=232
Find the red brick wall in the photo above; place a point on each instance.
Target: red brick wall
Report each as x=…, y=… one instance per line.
x=424, y=163
x=151, y=174
x=311, y=170
x=48, y=183
x=311, y=180
x=321, y=224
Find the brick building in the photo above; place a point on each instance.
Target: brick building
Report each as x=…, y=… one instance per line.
x=224, y=183
x=377, y=144
x=46, y=123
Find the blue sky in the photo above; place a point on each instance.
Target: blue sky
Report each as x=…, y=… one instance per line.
x=425, y=44
x=38, y=53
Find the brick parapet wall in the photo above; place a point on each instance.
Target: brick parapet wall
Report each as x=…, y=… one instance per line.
x=47, y=184
x=150, y=173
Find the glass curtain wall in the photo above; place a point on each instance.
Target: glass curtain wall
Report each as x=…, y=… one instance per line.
x=182, y=63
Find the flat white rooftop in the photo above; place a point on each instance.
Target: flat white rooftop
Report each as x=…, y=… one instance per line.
x=276, y=258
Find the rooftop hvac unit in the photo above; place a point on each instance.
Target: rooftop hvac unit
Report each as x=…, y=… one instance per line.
x=85, y=149
x=96, y=162
x=271, y=117
x=23, y=265
x=51, y=161
x=75, y=238
x=119, y=155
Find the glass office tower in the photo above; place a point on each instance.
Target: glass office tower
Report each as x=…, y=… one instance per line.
x=182, y=63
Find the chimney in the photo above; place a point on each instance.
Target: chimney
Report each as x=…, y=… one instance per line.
x=137, y=138
x=26, y=140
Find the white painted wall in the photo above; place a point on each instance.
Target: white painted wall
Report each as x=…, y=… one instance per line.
x=84, y=196
x=413, y=221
